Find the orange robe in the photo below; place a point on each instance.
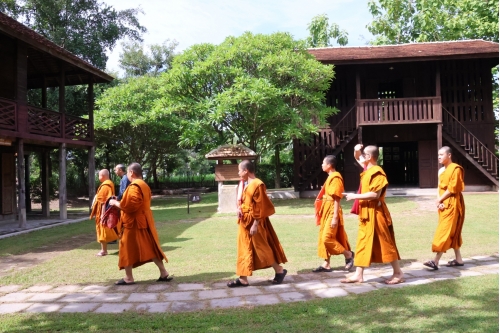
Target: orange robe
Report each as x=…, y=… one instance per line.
x=263, y=248
x=449, y=231
x=105, y=190
x=332, y=241
x=376, y=242
x=139, y=241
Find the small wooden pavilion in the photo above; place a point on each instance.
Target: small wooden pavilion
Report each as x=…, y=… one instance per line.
x=30, y=61
x=408, y=99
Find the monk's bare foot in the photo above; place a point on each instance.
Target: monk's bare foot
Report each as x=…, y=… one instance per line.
x=395, y=279
x=124, y=282
x=352, y=279
x=101, y=254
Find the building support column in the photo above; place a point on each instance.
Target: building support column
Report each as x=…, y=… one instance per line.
x=63, y=213
x=21, y=202
x=27, y=182
x=360, y=134
x=439, y=136
x=91, y=177
x=45, y=184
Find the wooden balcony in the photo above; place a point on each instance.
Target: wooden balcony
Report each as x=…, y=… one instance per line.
x=38, y=123
x=399, y=111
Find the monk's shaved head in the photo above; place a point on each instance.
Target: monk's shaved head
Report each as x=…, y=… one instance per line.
x=248, y=166
x=372, y=150
x=446, y=150
x=136, y=170
x=104, y=173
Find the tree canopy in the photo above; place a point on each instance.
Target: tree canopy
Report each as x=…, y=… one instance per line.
x=322, y=33
x=259, y=90
x=402, y=21
x=87, y=28
x=138, y=59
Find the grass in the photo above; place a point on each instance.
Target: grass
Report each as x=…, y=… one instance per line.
x=461, y=305
x=201, y=246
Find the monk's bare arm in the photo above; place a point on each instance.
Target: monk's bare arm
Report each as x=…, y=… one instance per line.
x=357, y=154
x=115, y=203
x=336, y=205
x=363, y=196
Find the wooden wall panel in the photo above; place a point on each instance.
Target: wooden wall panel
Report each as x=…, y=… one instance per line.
x=7, y=67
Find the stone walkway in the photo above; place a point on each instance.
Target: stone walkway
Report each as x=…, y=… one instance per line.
x=184, y=297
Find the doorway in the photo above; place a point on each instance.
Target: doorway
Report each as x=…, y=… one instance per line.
x=400, y=163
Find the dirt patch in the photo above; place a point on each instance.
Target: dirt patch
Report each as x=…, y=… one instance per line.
x=425, y=203
x=17, y=262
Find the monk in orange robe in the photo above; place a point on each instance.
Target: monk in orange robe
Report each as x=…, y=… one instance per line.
x=451, y=209
x=332, y=236
x=139, y=243
x=257, y=244
x=376, y=242
x=104, y=192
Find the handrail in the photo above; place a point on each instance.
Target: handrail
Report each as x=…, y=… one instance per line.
x=469, y=132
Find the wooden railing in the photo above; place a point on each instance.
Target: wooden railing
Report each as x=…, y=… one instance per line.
x=309, y=155
x=44, y=122
x=470, y=143
x=398, y=111
x=8, y=114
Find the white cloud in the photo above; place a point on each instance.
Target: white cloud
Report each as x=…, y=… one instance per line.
x=197, y=21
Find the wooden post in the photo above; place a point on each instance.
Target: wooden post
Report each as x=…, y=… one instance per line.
x=90, y=97
x=91, y=176
x=63, y=214
x=20, y=184
x=62, y=102
x=45, y=184
x=27, y=182
x=357, y=102
x=439, y=136
x=21, y=87
x=439, y=108
x=360, y=134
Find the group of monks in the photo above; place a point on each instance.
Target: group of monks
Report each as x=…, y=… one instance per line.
x=258, y=246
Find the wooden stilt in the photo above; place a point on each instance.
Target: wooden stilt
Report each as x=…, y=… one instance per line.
x=91, y=176
x=63, y=213
x=21, y=184
x=45, y=184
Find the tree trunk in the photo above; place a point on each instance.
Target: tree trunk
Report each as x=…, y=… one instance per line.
x=277, y=164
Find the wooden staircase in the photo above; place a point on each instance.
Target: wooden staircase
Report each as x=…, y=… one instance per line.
x=330, y=141
x=468, y=145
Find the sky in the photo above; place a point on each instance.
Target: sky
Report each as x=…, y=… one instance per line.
x=192, y=22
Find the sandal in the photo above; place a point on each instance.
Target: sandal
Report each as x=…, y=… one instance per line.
x=431, y=264
x=236, y=283
x=122, y=282
x=395, y=281
x=279, y=277
x=349, y=263
x=167, y=278
x=453, y=263
x=101, y=254
x=320, y=269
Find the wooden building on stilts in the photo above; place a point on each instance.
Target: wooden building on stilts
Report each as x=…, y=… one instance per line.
x=29, y=61
x=408, y=99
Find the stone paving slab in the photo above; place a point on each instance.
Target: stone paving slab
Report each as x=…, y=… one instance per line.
x=154, y=307
x=162, y=298
x=79, y=307
x=113, y=308
x=10, y=289
x=13, y=307
x=43, y=307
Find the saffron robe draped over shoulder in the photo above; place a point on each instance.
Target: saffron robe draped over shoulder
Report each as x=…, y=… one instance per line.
x=105, y=190
x=139, y=243
x=451, y=220
x=263, y=248
x=376, y=242
x=332, y=241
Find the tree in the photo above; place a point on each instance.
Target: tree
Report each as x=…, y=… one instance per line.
x=321, y=33
x=137, y=61
x=127, y=122
x=403, y=21
x=87, y=28
x=260, y=90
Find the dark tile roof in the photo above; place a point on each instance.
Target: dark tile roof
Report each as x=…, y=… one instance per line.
x=407, y=52
x=227, y=152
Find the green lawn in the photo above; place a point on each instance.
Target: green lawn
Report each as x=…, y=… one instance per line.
x=201, y=247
